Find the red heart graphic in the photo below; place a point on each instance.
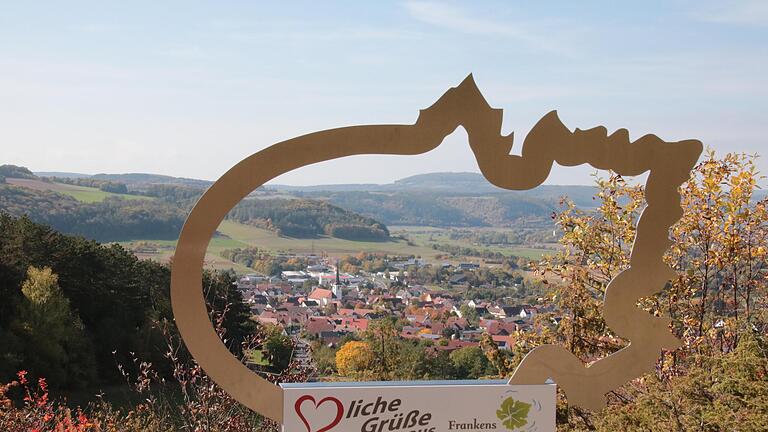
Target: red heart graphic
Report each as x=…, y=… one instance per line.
x=329, y=426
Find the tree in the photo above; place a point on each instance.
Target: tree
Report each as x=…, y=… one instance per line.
x=419, y=360
x=113, y=219
x=383, y=338
x=56, y=345
x=470, y=363
x=716, y=301
x=324, y=358
x=354, y=359
x=119, y=188
x=277, y=348
x=122, y=303
x=719, y=251
x=718, y=393
x=13, y=171
x=502, y=361
x=596, y=247
x=470, y=314
x=222, y=296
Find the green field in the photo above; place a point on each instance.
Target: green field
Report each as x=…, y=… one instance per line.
x=525, y=252
x=80, y=193
x=91, y=195
x=162, y=251
x=237, y=235
x=265, y=239
x=426, y=236
x=217, y=243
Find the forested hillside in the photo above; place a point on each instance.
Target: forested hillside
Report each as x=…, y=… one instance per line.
x=446, y=200
x=404, y=209
x=68, y=304
x=139, y=179
x=306, y=218
x=435, y=199
x=13, y=171
x=113, y=219
x=429, y=209
x=117, y=218
x=455, y=184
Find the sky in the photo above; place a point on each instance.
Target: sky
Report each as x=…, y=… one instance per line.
x=189, y=88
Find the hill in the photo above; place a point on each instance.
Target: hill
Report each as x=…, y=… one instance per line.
x=61, y=174
x=130, y=179
x=85, y=206
x=79, y=192
x=308, y=219
x=450, y=183
x=119, y=302
x=148, y=179
x=446, y=200
x=118, y=219
x=13, y=171
x=435, y=199
x=111, y=219
x=429, y=209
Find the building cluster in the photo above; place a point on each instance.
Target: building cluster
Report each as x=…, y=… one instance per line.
x=323, y=303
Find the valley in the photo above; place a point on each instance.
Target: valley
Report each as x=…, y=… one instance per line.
x=439, y=218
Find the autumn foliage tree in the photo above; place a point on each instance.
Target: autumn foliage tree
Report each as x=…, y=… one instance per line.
x=354, y=359
x=719, y=251
x=596, y=247
x=717, y=380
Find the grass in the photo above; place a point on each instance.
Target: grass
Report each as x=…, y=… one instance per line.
x=163, y=250
x=257, y=357
x=525, y=252
x=86, y=196
x=217, y=244
x=92, y=195
x=426, y=236
x=80, y=193
x=265, y=239
x=237, y=235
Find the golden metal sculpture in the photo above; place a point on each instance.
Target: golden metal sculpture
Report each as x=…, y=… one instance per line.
x=668, y=165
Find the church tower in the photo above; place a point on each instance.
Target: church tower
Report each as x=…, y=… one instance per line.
x=336, y=289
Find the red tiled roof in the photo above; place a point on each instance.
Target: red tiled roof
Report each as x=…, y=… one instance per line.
x=356, y=324
x=317, y=325
x=499, y=338
x=321, y=293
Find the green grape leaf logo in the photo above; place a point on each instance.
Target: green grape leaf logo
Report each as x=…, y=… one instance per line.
x=513, y=413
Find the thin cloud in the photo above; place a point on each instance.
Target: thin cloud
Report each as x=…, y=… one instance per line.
x=446, y=16
x=734, y=12
x=336, y=35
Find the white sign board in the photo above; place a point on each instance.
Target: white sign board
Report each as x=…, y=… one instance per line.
x=478, y=406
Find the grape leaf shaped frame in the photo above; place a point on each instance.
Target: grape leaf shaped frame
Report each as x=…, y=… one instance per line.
x=668, y=165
